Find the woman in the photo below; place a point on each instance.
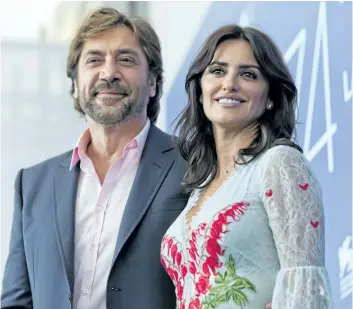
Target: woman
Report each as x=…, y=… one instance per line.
x=253, y=230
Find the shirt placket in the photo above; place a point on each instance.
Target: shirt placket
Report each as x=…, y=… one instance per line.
x=91, y=256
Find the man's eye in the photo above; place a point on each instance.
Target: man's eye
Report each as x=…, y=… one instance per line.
x=127, y=60
x=92, y=60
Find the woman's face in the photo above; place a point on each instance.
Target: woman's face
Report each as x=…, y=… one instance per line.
x=234, y=92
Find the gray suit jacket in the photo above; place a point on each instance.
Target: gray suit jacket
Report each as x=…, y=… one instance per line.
x=39, y=271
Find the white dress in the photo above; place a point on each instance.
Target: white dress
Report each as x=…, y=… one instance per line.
x=259, y=239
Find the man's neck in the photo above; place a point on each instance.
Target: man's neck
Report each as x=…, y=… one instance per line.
x=107, y=144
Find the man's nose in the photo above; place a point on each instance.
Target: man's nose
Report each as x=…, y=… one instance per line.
x=110, y=71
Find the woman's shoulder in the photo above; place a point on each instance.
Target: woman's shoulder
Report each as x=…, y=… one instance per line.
x=280, y=153
x=281, y=157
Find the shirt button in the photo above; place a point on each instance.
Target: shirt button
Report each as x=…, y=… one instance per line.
x=92, y=247
x=85, y=291
x=100, y=208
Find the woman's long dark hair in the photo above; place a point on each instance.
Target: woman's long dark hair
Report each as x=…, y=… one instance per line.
x=276, y=126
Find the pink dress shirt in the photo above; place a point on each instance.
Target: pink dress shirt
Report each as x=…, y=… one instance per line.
x=99, y=210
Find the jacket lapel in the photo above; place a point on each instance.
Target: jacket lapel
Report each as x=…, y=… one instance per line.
x=65, y=188
x=153, y=168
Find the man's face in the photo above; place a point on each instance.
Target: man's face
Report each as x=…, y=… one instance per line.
x=113, y=84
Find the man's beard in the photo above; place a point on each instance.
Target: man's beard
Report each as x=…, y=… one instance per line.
x=115, y=111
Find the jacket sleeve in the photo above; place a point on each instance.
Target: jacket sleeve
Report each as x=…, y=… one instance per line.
x=16, y=290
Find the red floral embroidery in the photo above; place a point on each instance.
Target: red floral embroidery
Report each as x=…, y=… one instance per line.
x=213, y=263
x=193, y=245
x=176, y=275
x=174, y=252
x=170, y=244
x=203, y=226
x=178, y=258
x=172, y=274
x=213, y=247
x=217, y=228
x=202, y=286
x=237, y=209
x=163, y=263
x=192, y=253
x=193, y=236
x=314, y=224
x=180, y=290
x=222, y=218
x=202, y=261
x=269, y=193
x=206, y=269
x=184, y=271
x=304, y=187
x=192, y=268
x=195, y=304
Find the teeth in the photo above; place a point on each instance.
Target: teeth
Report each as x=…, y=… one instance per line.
x=228, y=101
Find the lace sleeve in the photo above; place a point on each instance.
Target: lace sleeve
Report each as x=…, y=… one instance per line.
x=292, y=199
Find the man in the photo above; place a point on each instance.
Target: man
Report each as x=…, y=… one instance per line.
x=88, y=224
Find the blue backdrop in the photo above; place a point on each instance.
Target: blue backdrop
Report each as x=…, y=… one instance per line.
x=316, y=41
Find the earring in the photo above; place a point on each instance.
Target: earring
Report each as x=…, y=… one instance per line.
x=269, y=105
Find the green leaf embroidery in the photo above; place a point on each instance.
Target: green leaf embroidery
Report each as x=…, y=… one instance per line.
x=228, y=287
x=239, y=298
x=231, y=266
x=221, y=299
x=228, y=295
x=209, y=302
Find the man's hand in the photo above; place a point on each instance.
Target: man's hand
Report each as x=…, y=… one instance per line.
x=268, y=306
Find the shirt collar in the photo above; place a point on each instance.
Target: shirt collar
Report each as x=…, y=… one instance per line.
x=80, y=150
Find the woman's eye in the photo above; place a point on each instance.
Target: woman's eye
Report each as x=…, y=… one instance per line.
x=249, y=74
x=217, y=71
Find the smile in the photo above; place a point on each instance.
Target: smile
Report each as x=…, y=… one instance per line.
x=107, y=95
x=229, y=101
x=110, y=93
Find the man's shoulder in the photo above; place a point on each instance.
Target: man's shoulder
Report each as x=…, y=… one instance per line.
x=162, y=138
x=160, y=134
x=166, y=143
x=63, y=158
x=37, y=175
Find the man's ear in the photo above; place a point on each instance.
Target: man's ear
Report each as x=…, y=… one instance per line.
x=75, y=93
x=152, y=85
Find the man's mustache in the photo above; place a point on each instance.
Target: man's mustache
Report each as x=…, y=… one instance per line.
x=115, y=86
